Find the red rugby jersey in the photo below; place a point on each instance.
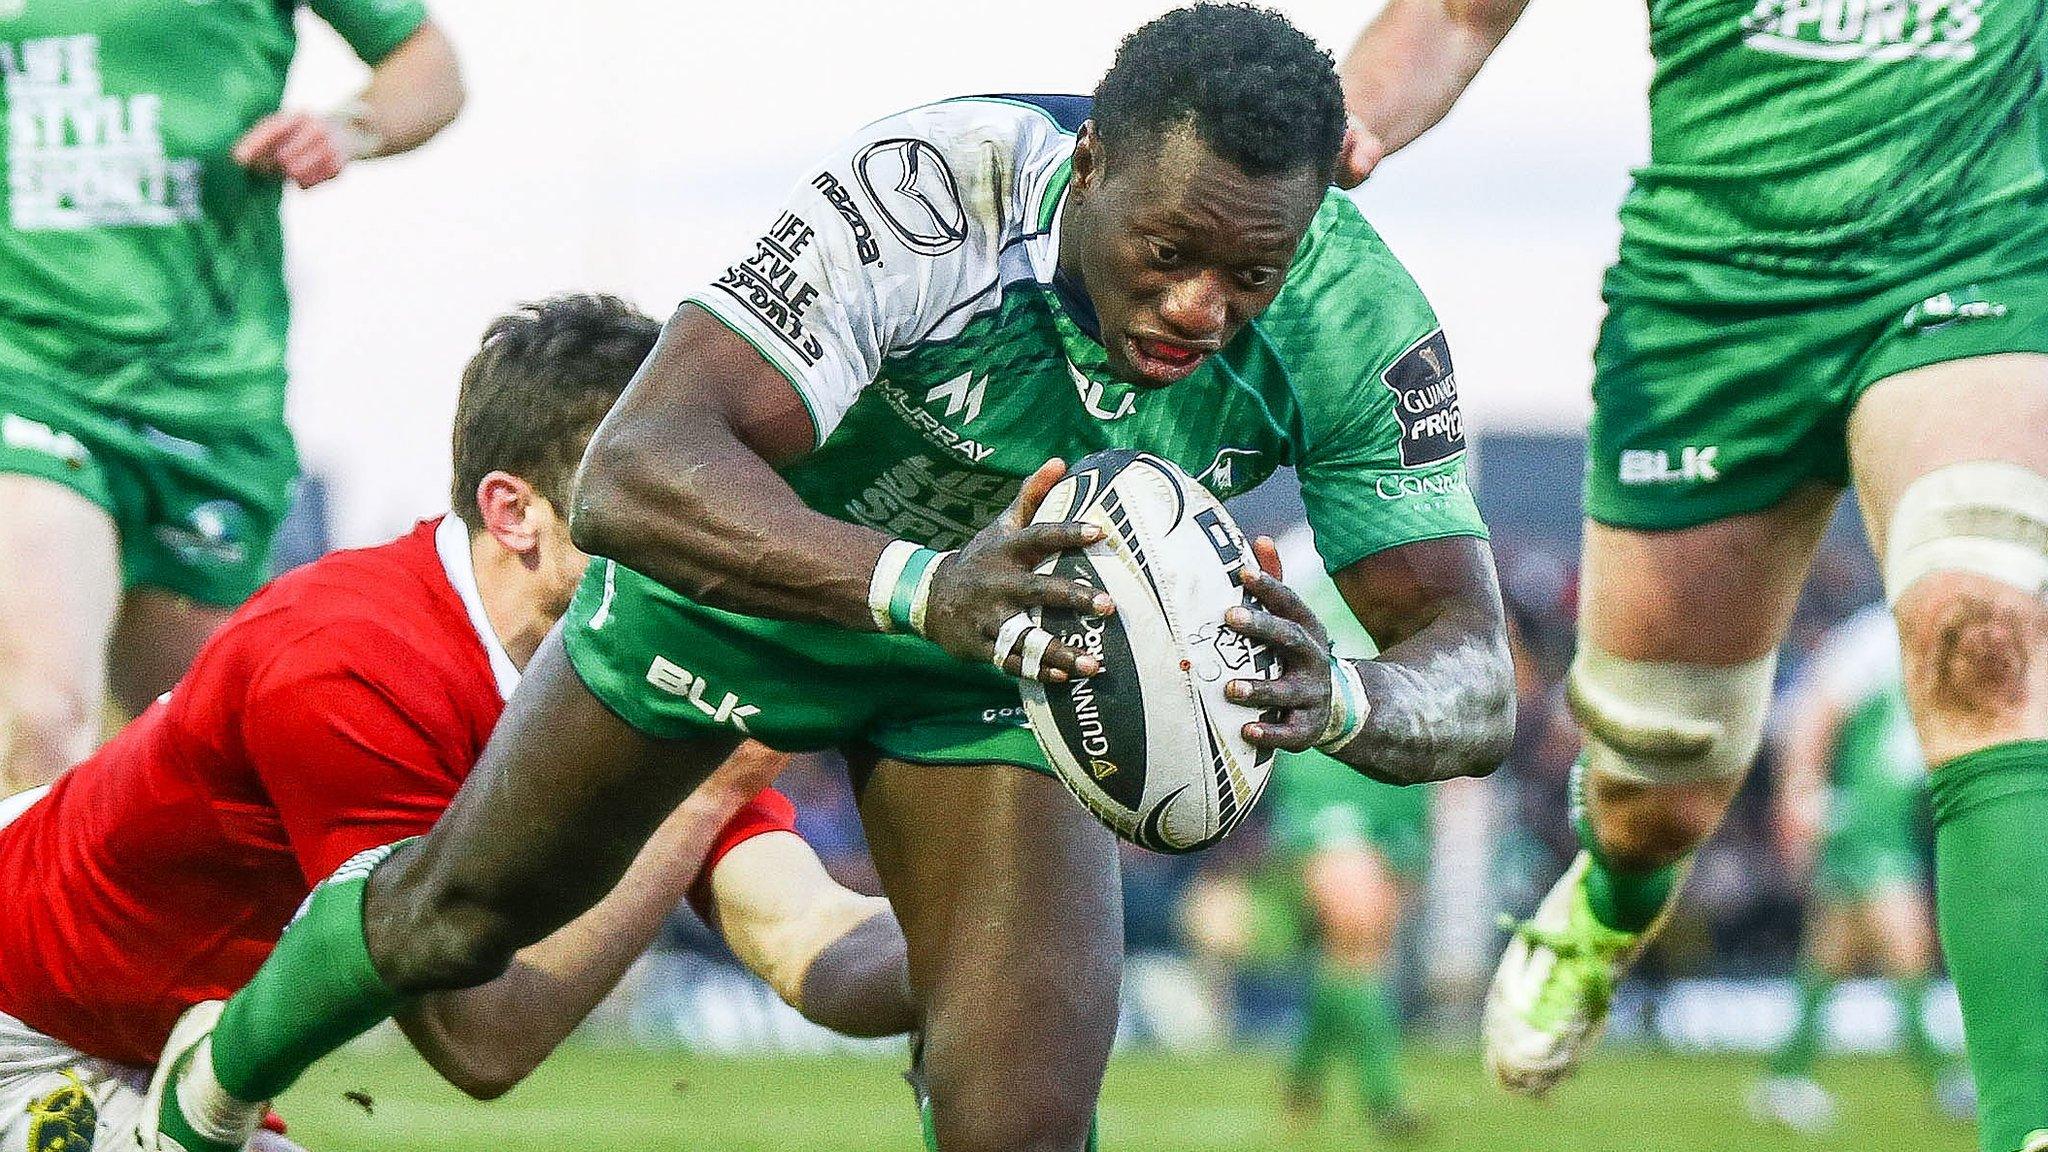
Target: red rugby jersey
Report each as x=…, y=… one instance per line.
x=338, y=710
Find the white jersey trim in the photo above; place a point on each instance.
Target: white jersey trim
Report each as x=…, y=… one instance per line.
x=451, y=541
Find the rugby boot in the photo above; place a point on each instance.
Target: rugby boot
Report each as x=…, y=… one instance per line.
x=1548, y=1002
x=161, y=1125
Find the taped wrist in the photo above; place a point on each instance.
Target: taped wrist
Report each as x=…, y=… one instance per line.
x=1348, y=707
x=902, y=586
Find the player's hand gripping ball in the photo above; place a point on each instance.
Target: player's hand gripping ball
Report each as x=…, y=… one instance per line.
x=1150, y=744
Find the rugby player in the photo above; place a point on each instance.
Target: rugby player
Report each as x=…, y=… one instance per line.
x=815, y=501
x=339, y=711
x=1850, y=806
x=145, y=464
x=1834, y=267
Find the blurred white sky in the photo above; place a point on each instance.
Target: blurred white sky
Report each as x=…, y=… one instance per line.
x=635, y=145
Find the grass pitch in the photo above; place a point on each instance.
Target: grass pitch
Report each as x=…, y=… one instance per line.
x=641, y=1102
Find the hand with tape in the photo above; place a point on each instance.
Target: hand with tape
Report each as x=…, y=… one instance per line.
x=1319, y=696
x=975, y=602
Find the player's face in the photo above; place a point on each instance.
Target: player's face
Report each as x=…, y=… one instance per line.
x=1178, y=248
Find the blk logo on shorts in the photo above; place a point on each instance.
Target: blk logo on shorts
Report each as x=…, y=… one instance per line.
x=677, y=680
x=1654, y=466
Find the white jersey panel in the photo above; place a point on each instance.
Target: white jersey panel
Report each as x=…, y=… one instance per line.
x=902, y=235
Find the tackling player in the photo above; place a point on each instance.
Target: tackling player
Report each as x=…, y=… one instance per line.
x=1852, y=794
x=145, y=464
x=338, y=712
x=815, y=505
x=1834, y=266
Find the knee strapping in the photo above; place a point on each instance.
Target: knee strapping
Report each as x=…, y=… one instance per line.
x=1665, y=723
x=1989, y=517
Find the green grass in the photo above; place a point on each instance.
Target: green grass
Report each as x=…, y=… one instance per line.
x=629, y=1101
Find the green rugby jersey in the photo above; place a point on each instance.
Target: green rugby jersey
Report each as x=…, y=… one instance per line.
x=130, y=232
x=1815, y=133
x=906, y=290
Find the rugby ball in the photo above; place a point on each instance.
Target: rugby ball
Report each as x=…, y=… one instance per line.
x=1150, y=745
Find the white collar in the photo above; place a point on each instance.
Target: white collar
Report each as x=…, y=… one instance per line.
x=451, y=540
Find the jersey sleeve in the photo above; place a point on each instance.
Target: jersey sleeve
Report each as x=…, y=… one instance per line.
x=351, y=758
x=768, y=811
x=372, y=27
x=1382, y=456
x=866, y=256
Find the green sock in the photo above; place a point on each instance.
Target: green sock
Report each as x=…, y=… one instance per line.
x=1991, y=899
x=317, y=992
x=1623, y=901
x=1316, y=1040
x=1915, y=1042
x=1796, y=1055
x=1372, y=1038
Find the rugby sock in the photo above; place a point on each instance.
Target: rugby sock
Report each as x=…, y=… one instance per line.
x=1796, y=1055
x=1621, y=900
x=1915, y=1042
x=317, y=992
x=1318, y=1037
x=1991, y=874
x=1375, y=1030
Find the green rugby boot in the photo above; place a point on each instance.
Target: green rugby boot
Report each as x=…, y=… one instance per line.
x=1548, y=1001
x=161, y=1125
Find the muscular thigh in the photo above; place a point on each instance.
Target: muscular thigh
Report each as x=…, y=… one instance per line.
x=60, y=582
x=1976, y=645
x=1715, y=593
x=1009, y=898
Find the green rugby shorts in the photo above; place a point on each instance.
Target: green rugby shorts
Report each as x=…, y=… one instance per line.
x=196, y=507
x=673, y=669
x=1721, y=402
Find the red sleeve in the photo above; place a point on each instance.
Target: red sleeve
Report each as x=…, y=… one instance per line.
x=350, y=759
x=768, y=811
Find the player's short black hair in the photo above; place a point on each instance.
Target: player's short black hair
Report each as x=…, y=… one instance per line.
x=1256, y=90
x=544, y=376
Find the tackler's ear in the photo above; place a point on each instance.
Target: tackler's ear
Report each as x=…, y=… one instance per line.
x=512, y=511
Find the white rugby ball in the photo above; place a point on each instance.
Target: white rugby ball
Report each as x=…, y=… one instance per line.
x=1150, y=745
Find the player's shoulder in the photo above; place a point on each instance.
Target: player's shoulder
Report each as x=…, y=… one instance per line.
x=966, y=175
x=1345, y=287
x=373, y=613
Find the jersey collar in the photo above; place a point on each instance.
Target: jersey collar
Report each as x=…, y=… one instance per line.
x=451, y=541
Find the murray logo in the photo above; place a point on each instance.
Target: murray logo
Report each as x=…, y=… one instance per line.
x=909, y=181
x=958, y=395
x=1653, y=465
x=1426, y=402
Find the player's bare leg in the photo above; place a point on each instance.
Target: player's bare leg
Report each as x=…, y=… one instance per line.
x=1677, y=635
x=562, y=800
x=1952, y=468
x=1355, y=899
x=1008, y=895
x=155, y=640
x=60, y=585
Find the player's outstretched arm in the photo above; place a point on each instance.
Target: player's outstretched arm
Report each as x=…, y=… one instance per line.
x=1409, y=66
x=485, y=1040
x=679, y=484
x=413, y=93
x=831, y=953
x=1439, y=699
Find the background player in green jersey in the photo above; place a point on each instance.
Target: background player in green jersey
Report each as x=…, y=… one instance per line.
x=1851, y=807
x=1354, y=847
x=144, y=459
x=1834, y=266
x=816, y=503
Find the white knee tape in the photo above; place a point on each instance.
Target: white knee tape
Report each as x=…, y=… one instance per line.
x=1660, y=723
x=1984, y=516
